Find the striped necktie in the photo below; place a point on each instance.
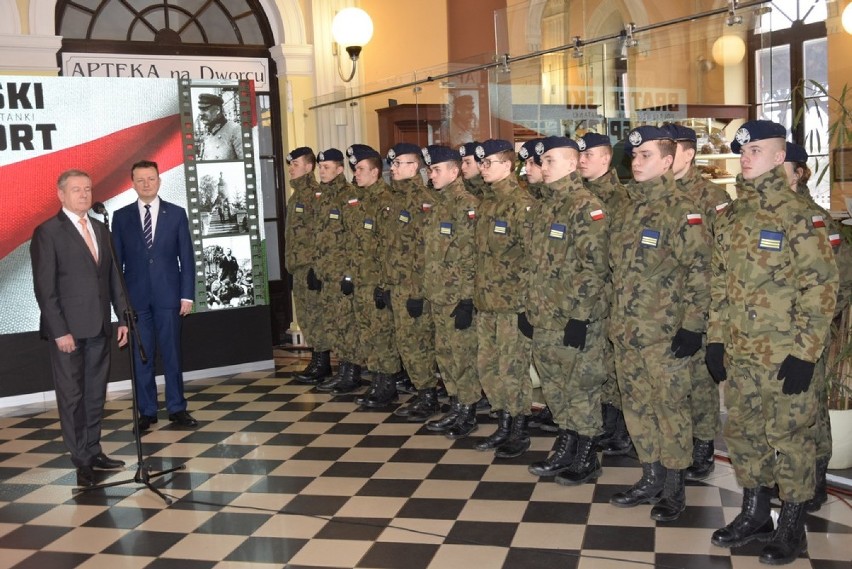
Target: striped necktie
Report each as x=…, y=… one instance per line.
x=147, y=229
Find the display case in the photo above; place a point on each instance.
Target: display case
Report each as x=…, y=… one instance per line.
x=713, y=154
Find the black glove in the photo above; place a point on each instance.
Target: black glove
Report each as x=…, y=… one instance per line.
x=379, y=297
x=290, y=280
x=575, y=334
x=346, y=286
x=797, y=375
x=463, y=313
x=414, y=307
x=715, y=360
x=685, y=343
x=386, y=295
x=524, y=325
x=313, y=282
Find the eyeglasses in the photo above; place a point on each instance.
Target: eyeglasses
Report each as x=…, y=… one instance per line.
x=398, y=163
x=486, y=163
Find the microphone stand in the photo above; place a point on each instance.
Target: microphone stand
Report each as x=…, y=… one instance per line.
x=144, y=475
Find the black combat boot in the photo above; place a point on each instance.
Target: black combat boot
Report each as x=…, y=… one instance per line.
x=543, y=420
x=585, y=467
x=443, y=424
x=673, y=500
x=560, y=459
x=465, y=422
x=498, y=437
x=426, y=405
x=519, y=439
x=620, y=442
x=371, y=390
x=318, y=369
x=609, y=415
x=350, y=382
x=332, y=381
x=821, y=490
x=753, y=523
x=483, y=405
x=403, y=383
x=646, y=491
x=703, y=460
x=383, y=392
x=789, y=540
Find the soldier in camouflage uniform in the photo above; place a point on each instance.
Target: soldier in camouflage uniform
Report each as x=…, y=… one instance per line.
x=502, y=274
x=373, y=322
x=404, y=266
x=798, y=173
x=531, y=162
x=331, y=268
x=659, y=256
x=473, y=182
x=302, y=213
x=566, y=304
x=774, y=290
x=601, y=180
x=710, y=198
x=450, y=268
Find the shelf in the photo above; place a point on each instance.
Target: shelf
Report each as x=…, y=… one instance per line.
x=724, y=181
x=717, y=156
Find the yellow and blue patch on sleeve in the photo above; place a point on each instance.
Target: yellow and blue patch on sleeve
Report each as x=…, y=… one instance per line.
x=770, y=240
x=557, y=231
x=650, y=238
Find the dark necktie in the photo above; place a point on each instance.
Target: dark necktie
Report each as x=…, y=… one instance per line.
x=146, y=227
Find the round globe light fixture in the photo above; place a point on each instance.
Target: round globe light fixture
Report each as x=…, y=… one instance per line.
x=728, y=50
x=846, y=18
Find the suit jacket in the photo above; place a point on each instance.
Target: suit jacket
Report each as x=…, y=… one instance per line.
x=72, y=290
x=161, y=276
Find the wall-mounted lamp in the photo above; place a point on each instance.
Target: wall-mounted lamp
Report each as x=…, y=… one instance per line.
x=577, y=53
x=351, y=28
x=728, y=50
x=846, y=18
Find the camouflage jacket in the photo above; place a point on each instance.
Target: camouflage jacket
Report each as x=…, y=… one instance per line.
x=364, y=234
x=402, y=226
x=842, y=253
x=451, y=246
x=659, y=255
x=711, y=198
x=775, y=281
x=302, y=212
x=476, y=187
x=329, y=238
x=502, y=237
x=609, y=189
x=569, y=253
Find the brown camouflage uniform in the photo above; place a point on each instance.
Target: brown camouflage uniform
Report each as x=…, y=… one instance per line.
x=661, y=284
x=403, y=266
x=299, y=251
x=710, y=198
x=477, y=187
x=774, y=290
x=502, y=274
x=569, y=280
x=450, y=269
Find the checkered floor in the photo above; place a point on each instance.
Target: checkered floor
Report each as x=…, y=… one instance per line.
x=279, y=475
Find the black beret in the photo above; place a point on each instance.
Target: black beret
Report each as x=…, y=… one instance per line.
x=401, y=148
x=681, y=133
x=492, y=146
x=468, y=149
x=330, y=155
x=358, y=152
x=640, y=135
x=528, y=151
x=435, y=154
x=757, y=130
x=795, y=153
x=593, y=139
x=551, y=142
x=298, y=152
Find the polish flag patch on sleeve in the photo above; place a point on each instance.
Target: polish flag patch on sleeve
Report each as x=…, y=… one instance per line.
x=694, y=218
x=834, y=239
x=353, y=201
x=471, y=214
x=721, y=206
x=597, y=215
x=818, y=221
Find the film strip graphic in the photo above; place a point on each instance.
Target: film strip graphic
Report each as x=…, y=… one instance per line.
x=217, y=126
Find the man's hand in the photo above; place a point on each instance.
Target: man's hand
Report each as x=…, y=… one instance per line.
x=122, y=334
x=66, y=343
x=185, y=307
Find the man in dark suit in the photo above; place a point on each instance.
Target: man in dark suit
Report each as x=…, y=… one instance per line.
x=75, y=278
x=153, y=247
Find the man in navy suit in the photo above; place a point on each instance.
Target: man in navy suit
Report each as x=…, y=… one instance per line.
x=154, y=249
x=75, y=279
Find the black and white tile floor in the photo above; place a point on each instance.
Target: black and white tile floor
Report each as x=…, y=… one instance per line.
x=277, y=475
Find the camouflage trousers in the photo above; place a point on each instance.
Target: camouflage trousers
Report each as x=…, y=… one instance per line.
x=609, y=391
x=312, y=318
x=823, y=423
x=655, y=390
x=415, y=341
x=571, y=380
x=455, y=351
x=770, y=436
x=503, y=362
x=341, y=313
x=704, y=399
x=375, y=328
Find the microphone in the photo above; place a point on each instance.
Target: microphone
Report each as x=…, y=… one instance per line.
x=99, y=208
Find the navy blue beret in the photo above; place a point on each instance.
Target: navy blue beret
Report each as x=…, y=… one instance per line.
x=435, y=154
x=330, y=155
x=551, y=142
x=528, y=151
x=468, y=148
x=492, y=146
x=796, y=153
x=757, y=130
x=640, y=135
x=297, y=153
x=401, y=148
x=681, y=133
x=358, y=152
x=593, y=139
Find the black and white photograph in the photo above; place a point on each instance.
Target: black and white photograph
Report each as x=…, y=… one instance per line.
x=228, y=272
x=222, y=198
x=218, y=132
